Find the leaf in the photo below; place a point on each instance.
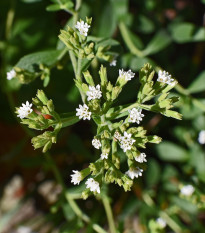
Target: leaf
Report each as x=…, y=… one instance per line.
x=120, y=9
x=153, y=172
x=169, y=151
x=57, y=7
x=198, y=84
x=159, y=42
x=32, y=61
x=107, y=18
x=53, y=7
x=186, y=32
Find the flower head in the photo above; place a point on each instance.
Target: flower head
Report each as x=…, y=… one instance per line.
x=25, y=110
x=201, y=138
x=134, y=173
x=187, y=190
x=94, y=93
x=126, y=141
x=92, y=185
x=104, y=156
x=165, y=77
x=141, y=158
x=127, y=75
x=113, y=62
x=161, y=222
x=76, y=177
x=96, y=143
x=83, y=112
x=23, y=229
x=135, y=115
x=11, y=74
x=82, y=27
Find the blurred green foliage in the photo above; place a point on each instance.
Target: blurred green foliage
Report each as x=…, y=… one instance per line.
x=169, y=35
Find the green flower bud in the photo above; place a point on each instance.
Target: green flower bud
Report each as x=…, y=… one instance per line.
x=42, y=97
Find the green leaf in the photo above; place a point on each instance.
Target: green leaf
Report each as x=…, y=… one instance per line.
x=53, y=7
x=186, y=32
x=32, y=61
x=198, y=84
x=158, y=42
x=169, y=151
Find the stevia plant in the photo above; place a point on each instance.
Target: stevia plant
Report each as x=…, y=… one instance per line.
x=118, y=127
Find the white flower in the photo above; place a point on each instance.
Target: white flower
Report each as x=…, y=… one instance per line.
x=25, y=110
x=141, y=158
x=96, y=143
x=92, y=185
x=127, y=75
x=23, y=229
x=126, y=141
x=11, y=74
x=135, y=115
x=165, y=77
x=187, y=190
x=113, y=63
x=104, y=156
x=201, y=138
x=134, y=173
x=82, y=112
x=76, y=177
x=161, y=222
x=94, y=93
x=82, y=28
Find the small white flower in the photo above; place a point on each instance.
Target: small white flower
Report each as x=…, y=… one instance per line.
x=82, y=112
x=141, y=158
x=201, y=138
x=127, y=75
x=23, y=229
x=113, y=63
x=82, y=27
x=187, y=190
x=92, y=185
x=165, y=77
x=25, y=110
x=76, y=177
x=94, y=93
x=11, y=74
x=96, y=143
x=161, y=222
x=104, y=156
x=134, y=173
x=126, y=141
x=135, y=115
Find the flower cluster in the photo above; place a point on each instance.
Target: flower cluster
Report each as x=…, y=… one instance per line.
x=165, y=77
x=83, y=112
x=76, y=177
x=96, y=143
x=135, y=115
x=127, y=75
x=25, y=110
x=92, y=185
x=126, y=141
x=141, y=158
x=82, y=27
x=201, y=138
x=187, y=190
x=134, y=173
x=94, y=93
x=11, y=74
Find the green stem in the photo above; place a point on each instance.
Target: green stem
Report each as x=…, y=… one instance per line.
x=69, y=197
x=109, y=214
x=125, y=34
